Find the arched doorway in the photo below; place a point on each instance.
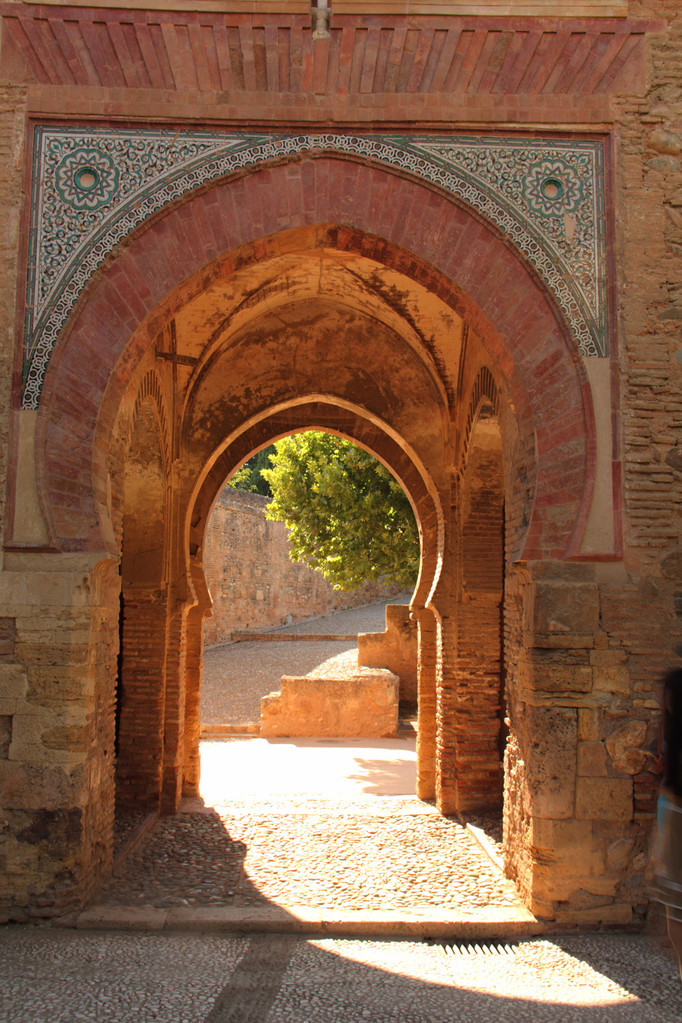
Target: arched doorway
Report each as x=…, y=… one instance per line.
x=378, y=331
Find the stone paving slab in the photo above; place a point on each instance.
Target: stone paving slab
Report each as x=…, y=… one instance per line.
x=103, y=977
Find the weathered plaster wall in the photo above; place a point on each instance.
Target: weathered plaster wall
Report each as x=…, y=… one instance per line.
x=253, y=582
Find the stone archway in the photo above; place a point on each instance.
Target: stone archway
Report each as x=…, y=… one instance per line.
x=377, y=330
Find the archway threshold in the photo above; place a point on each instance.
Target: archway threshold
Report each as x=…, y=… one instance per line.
x=312, y=852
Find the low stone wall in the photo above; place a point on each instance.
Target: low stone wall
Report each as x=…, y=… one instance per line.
x=395, y=649
x=359, y=706
x=253, y=582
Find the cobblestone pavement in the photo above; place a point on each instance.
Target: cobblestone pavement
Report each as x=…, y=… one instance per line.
x=69, y=977
x=394, y=853
x=310, y=823
x=237, y=675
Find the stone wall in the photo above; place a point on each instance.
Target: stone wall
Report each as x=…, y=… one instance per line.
x=394, y=648
x=253, y=582
x=363, y=705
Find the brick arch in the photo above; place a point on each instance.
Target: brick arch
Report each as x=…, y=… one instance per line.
x=310, y=412
x=316, y=412
x=351, y=206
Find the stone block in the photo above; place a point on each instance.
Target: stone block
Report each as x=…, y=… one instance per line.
x=58, y=832
x=394, y=649
x=618, y=853
x=592, y=760
x=13, y=682
x=607, y=799
x=607, y=658
x=565, y=614
x=589, y=724
x=5, y=735
x=41, y=787
x=568, y=857
x=551, y=760
x=624, y=749
x=616, y=914
x=54, y=682
x=612, y=679
x=71, y=737
x=7, y=639
x=560, y=671
x=66, y=732
x=365, y=704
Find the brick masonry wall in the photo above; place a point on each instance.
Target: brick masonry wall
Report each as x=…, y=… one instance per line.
x=253, y=582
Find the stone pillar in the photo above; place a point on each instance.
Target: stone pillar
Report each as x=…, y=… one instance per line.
x=57, y=695
x=573, y=840
x=142, y=697
x=193, y=670
x=173, y=722
x=426, y=730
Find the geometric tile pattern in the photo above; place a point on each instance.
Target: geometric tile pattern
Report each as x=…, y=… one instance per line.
x=92, y=186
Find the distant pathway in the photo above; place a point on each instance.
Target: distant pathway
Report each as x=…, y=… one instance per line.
x=236, y=676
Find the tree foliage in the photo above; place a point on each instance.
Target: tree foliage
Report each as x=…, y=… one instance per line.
x=250, y=477
x=347, y=515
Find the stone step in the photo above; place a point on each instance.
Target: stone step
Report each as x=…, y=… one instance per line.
x=480, y=924
x=407, y=728
x=219, y=730
x=277, y=637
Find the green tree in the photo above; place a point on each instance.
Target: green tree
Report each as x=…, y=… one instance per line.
x=250, y=476
x=347, y=515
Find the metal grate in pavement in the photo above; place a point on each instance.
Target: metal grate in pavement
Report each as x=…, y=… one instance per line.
x=464, y=948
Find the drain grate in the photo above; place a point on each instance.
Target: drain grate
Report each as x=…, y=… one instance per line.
x=464, y=948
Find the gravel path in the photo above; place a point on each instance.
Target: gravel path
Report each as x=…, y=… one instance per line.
x=236, y=676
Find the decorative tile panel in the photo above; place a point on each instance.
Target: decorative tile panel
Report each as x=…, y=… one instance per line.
x=92, y=186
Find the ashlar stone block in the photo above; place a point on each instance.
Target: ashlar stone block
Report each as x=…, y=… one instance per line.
x=362, y=705
x=592, y=761
x=551, y=760
x=13, y=682
x=569, y=859
x=624, y=747
x=565, y=614
x=557, y=671
x=41, y=787
x=589, y=724
x=606, y=799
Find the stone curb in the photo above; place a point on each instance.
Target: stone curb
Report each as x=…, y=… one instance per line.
x=305, y=637
x=484, y=842
x=483, y=924
x=133, y=843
